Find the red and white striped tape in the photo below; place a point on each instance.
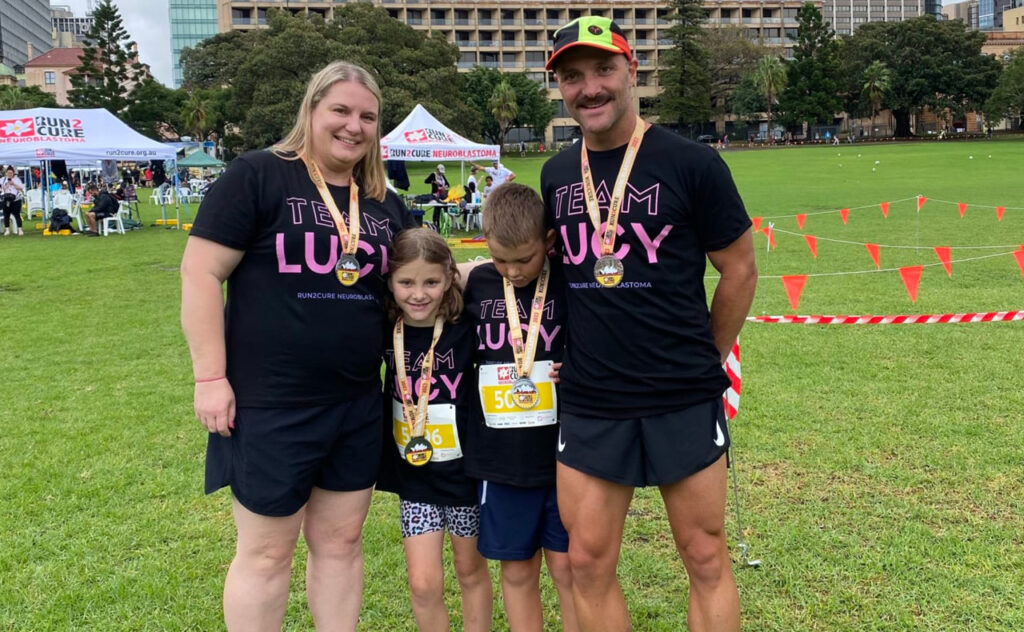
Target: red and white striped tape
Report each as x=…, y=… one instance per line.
x=919, y=319
x=731, y=396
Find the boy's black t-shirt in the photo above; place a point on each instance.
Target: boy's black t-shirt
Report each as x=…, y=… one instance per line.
x=454, y=382
x=644, y=347
x=524, y=457
x=295, y=335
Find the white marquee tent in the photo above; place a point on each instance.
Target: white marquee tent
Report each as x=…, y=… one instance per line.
x=421, y=137
x=73, y=135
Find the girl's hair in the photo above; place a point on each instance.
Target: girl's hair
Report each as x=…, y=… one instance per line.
x=414, y=244
x=369, y=173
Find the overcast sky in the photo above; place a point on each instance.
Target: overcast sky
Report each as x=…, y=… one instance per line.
x=147, y=23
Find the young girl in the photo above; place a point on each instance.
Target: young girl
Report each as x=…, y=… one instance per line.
x=432, y=384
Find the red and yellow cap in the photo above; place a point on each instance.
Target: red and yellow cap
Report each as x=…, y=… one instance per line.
x=594, y=31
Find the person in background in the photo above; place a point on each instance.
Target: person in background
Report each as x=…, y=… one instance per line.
x=438, y=190
x=104, y=205
x=13, y=191
x=498, y=172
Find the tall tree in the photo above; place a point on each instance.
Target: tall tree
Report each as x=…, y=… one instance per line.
x=504, y=109
x=685, y=97
x=156, y=111
x=214, y=62
x=811, y=94
x=731, y=56
x=110, y=68
x=747, y=101
x=533, y=107
x=934, y=63
x=1007, y=100
x=876, y=82
x=195, y=114
x=770, y=79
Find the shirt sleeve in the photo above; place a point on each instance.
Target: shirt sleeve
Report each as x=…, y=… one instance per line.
x=229, y=211
x=720, y=216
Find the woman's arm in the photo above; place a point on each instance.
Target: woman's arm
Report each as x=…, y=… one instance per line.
x=204, y=268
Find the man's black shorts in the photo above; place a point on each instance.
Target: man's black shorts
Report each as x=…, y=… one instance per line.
x=648, y=451
x=276, y=456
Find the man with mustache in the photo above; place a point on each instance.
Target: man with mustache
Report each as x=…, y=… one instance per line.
x=638, y=210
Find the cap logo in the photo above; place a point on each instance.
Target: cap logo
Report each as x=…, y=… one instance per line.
x=595, y=29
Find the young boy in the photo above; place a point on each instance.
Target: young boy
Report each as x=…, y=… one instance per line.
x=513, y=436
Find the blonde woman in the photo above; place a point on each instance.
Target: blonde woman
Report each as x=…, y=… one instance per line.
x=287, y=373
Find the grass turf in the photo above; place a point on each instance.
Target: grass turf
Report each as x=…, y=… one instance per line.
x=879, y=466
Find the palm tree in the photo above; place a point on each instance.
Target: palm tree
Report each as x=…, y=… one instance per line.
x=195, y=114
x=504, y=108
x=770, y=79
x=877, y=79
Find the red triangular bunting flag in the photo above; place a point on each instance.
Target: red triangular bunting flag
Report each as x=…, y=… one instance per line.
x=794, y=288
x=1019, y=256
x=812, y=243
x=770, y=234
x=962, y=207
x=911, y=276
x=920, y=201
x=943, y=252
x=800, y=219
x=873, y=251
x=844, y=213
x=999, y=212
x=885, y=209
x=757, y=223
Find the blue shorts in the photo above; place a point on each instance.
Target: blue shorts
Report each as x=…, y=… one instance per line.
x=276, y=456
x=516, y=522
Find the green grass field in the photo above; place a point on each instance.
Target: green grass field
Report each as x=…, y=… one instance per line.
x=880, y=466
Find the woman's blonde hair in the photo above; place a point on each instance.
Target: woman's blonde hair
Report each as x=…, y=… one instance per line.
x=413, y=244
x=369, y=173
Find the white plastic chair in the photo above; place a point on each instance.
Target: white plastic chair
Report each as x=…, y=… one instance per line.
x=33, y=203
x=116, y=221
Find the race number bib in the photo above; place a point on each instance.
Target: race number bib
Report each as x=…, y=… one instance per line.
x=440, y=431
x=498, y=399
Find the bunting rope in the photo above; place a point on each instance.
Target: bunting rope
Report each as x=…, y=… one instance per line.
x=907, y=199
x=862, y=243
x=902, y=319
x=849, y=208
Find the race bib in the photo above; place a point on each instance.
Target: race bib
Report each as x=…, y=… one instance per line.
x=440, y=431
x=498, y=400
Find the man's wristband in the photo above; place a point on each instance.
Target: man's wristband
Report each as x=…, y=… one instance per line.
x=210, y=379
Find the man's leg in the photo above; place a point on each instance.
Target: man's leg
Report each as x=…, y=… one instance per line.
x=334, y=572
x=696, y=513
x=256, y=588
x=90, y=219
x=593, y=511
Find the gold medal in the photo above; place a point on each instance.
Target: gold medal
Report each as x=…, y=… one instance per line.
x=525, y=394
x=347, y=270
x=348, y=267
x=609, y=270
x=418, y=451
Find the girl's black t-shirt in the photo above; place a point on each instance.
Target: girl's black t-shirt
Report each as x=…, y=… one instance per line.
x=442, y=481
x=295, y=335
x=644, y=347
x=523, y=457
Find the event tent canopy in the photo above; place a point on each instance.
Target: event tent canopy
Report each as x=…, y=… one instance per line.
x=74, y=135
x=421, y=137
x=200, y=159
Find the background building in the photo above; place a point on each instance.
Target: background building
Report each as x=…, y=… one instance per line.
x=847, y=15
x=191, y=21
x=23, y=22
x=68, y=29
x=51, y=72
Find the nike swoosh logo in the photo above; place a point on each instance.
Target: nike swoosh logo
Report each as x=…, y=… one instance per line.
x=719, y=437
x=561, y=444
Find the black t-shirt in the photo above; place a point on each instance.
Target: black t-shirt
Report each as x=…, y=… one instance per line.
x=295, y=335
x=644, y=347
x=524, y=457
x=439, y=482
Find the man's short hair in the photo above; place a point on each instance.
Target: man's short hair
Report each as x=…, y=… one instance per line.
x=514, y=215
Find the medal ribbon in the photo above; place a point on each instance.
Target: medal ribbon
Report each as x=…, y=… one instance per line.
x=349, y=235
x=618, y=193
x=415, y=414
x=524, y=354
